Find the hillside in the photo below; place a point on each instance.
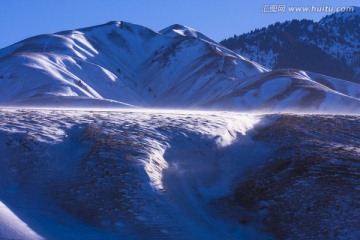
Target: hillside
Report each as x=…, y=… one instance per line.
x=330, y=46
x=140, y=174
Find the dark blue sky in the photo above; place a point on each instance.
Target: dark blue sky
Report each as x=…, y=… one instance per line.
x=217, y=19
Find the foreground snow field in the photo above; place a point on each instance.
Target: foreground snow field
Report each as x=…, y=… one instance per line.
x=157, y=174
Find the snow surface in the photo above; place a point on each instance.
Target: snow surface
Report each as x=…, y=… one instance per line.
x=169, y=174
x=128, y=174
x=11, y=227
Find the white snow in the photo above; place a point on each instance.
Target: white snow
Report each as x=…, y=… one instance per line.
x=184, y=160
x=11, y=227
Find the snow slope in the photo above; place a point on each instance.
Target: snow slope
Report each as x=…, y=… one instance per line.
x=156, y=174
x=290, y=90
x=120, y=64
x=11, y=227
x=308, y=187
x=129, y=174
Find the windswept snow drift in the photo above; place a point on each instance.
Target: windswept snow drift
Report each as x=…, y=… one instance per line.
x=129, y=174
x=120, y=64
x=141, y=174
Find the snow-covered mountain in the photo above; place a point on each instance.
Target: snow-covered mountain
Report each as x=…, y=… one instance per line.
x=330, y=46
x=120, y=64
x=118, y=61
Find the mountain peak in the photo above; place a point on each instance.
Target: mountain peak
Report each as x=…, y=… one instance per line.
x=179, y=30
x=117, y=25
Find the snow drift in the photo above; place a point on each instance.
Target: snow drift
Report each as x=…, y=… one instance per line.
x=177, y=175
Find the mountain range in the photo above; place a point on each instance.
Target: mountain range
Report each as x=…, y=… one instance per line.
x=120, y=64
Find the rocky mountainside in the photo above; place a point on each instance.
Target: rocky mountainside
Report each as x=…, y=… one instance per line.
x=330, y=46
